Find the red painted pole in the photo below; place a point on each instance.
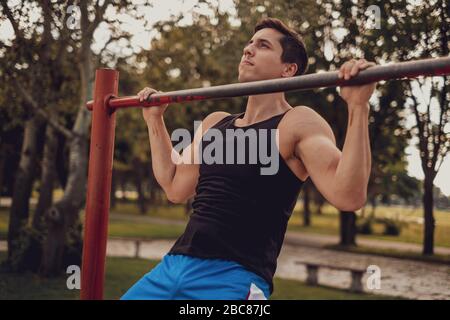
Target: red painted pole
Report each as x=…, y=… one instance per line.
x=99, y=185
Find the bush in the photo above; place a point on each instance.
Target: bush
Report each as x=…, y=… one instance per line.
x=391, y=227
x=27, y=250
x=365, y=227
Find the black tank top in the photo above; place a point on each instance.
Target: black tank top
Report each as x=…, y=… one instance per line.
x=240, y=214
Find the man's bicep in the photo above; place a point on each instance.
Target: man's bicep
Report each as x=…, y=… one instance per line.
x=320, y=157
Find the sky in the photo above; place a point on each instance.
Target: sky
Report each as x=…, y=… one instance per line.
x=164, y=9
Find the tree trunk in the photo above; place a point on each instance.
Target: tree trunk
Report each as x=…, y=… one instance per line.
x=23, y=184
x=319, y=208
x=31, y=255
x=188, y=207
x=320, y=202
x=316, y=198
x=347, y=228
x=306, y=208
x=138, y=175
x=61, y=161
x=374, y=206
x=113, y=199
x=63, y=244
x=123, y=186
x=3, y=149
x=430, y=174
x=47, y=178
x=63, y=215
x=429, y=222
x=153, y=188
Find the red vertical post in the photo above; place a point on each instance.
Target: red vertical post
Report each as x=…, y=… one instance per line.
x=99, y=185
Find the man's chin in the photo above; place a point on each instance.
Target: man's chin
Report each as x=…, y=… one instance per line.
x=247, y=78
x=244, y=79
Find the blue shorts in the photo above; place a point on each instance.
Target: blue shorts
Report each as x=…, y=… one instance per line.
x=181, y=277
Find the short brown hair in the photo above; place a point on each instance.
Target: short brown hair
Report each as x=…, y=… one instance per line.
x=294, y=50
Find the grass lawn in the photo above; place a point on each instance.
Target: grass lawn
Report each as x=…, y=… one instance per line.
x=175, y=212
x=133, y=229
x=4, y=215
x=121, y=273
x=118, y=228
x=412, y=232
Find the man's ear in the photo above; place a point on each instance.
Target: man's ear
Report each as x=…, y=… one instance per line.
x=290, y=69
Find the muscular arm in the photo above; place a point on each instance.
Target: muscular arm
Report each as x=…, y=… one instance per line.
x=177, y=180
x=341, y=177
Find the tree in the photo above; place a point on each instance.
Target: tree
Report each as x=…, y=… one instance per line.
x=434, y=142
x=306, y=203
x=44, y=55
x=423, y=27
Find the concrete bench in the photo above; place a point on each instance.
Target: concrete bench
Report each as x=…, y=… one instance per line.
x=313, y=269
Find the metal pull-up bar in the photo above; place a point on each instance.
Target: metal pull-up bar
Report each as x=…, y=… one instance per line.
x=410, y=69
x=103, y=128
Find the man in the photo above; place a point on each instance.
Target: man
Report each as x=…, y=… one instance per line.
x=231, y=243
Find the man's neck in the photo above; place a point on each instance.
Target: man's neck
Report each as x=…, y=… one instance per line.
x=264, y=106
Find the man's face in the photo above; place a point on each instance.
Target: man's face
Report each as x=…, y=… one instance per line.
x=263, y=53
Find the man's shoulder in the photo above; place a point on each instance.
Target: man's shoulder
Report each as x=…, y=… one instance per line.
x=217, y=115
x=304, y=113
x=213, y=118
x=304, y=120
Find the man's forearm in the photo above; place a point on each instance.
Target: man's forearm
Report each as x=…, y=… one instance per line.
x=161, y=148
x=353, y=171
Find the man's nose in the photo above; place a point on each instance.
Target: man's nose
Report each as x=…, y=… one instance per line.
x=248, y=50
